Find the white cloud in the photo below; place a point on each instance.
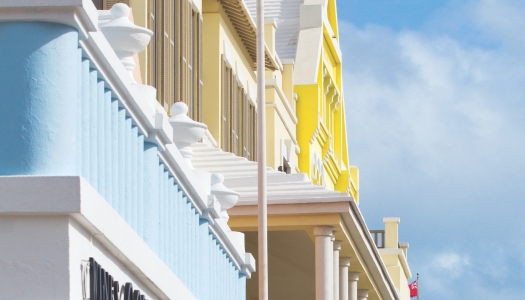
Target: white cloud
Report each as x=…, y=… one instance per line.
x=436, y=125
x=452, y=275
x=448, y=102
x=442, y=269
x=450, y=264
x=502, y=18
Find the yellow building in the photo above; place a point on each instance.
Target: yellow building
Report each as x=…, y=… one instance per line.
x=394, y=255
x=320, y=108
x=319, y=244
x=172, y=62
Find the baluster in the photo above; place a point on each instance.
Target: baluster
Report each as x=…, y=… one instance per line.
x=170, y=222
x=179, y=222
x=165, y=212
x=140, y=186
x=206, y=262
x=192, y=245
x=134, y=171
x=151, y=195
x=108, y=145
x=93, y=123
x=79, y=116
x=86, y=136
x=128, y=170
x=101, y=157
x=186, y=235
x=160, y=214
x=115, y=153
x=121, y=162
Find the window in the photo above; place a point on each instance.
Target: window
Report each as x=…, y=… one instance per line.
x=175, y=54
x=107, y=4
x=238, y=117
x=174, y=62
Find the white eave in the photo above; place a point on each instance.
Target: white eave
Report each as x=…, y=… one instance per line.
x=246, y=29
x=284, y=189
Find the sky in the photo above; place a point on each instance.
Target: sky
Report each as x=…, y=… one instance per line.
x=435, y=106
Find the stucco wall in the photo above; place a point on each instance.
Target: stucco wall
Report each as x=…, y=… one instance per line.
x=34, y=257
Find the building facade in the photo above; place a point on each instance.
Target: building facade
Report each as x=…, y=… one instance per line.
x=99, y=199
x=319, y=244
x=107, y=174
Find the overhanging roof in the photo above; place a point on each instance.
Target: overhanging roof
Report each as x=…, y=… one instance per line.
x=288, y=192
x=247, y=30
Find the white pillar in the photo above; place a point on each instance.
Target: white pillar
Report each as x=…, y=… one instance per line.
x=362, y=294
x=352, y=285
x=323, y=262
x=337, y=249
x=344, y=263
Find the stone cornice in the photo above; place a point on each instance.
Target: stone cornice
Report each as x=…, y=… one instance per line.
x=401, y=256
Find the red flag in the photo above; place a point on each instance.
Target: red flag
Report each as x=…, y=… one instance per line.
x=413, y=289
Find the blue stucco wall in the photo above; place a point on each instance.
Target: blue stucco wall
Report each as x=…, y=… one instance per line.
x=37, y=63
x=58, y=116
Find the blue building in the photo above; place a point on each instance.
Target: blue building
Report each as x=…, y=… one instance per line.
x=97, y=193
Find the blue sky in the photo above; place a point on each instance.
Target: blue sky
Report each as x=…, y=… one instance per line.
x=396, y=14
x=435, y=103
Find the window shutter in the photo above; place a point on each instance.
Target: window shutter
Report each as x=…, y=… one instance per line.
x=99, y=4
x=170, y=55
x=200, y=89
x=159, y=50
x=226, y=104
x=109, y=3
x=254, y=133
x=166, y=68
x=152, y=47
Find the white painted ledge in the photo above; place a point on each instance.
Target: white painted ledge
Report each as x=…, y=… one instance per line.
x=400, y=255
x=74, y=196
x=391, y=220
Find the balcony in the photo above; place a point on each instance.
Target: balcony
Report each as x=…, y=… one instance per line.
x=379, y=238
x=70, y=108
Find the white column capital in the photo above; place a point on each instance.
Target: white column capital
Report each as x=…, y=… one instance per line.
x=353, y=276
x=337, y=245
x=344, y=261
x=323, y=230
x=362, y=294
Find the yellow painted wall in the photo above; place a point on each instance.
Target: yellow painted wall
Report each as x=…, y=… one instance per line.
x=321, y=129
x=212, y=75
x=222, y=40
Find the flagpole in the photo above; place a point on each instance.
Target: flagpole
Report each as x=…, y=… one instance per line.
x=417, y=283
x=261, y=158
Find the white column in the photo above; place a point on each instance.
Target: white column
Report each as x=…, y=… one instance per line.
x=362, y=294
x=337, y=249
x=352, y=285
x=323, y=262
x=344, y=263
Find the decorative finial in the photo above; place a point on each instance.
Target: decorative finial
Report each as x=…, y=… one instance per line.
x=120, y=10
x=126, y=38
x=185, y=130
x=227, y=198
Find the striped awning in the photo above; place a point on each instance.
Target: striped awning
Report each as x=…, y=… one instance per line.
x=246, y=29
